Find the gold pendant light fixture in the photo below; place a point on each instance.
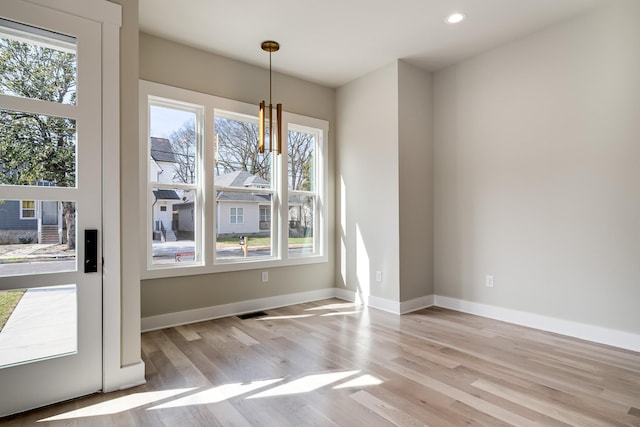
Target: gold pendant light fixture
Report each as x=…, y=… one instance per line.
x=275, y=134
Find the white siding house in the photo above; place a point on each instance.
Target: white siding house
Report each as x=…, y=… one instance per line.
x=241, y=212
x=161, y=170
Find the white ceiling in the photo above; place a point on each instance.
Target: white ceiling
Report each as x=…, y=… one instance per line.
x=332, y=42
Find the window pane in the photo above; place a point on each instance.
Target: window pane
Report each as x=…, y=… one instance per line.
x=301, y=149
x=29, y=333
x=237, y=160
x=37, y=64
x=37, y=149
x=301, y=224
x=173, y=226
x=37, y=237
x=243, y=214
x=173, y=145
x=28, y=209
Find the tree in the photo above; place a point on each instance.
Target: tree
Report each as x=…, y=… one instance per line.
x=36, y=148
x=300, y=149
x=183, y=145
x=237, y=149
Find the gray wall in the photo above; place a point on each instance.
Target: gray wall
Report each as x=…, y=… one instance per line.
x=415, y=172
x=367, y=182
x=537, y=168
x=385, y=177
x=177, y=65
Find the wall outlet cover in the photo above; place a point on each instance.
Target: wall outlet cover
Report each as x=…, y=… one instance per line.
x=489, y=281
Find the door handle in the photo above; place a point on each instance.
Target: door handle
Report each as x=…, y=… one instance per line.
x=90, y=251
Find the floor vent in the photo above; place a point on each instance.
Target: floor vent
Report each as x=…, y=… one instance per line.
x=252, y=315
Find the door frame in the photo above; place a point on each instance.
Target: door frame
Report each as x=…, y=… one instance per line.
x=109, y=15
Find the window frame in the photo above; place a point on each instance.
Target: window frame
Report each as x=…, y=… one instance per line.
x=23, y=209
x=149, y=185
x=207, y=262
x=266, y=216
x=239, y=214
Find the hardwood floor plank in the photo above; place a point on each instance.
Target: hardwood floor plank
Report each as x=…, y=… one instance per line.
x=188, y=332
x=385, y=410
x=332, y=363
x=459, y=395
x=558, y=411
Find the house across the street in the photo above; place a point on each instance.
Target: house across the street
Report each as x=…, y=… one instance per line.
x=31, y=221
x=241, y=212
x=237, y=213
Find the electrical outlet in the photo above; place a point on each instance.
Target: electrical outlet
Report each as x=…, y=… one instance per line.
x=379, y=276
x=489, y=281
x=265, y=276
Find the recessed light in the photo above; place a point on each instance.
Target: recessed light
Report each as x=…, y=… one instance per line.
x=455, y=18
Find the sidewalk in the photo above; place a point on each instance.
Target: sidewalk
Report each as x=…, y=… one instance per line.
x=42, y=325
x=33, y=252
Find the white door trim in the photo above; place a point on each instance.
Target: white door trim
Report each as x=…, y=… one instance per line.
x=116, y=376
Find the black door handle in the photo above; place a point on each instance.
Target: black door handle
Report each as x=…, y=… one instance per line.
x=90, y=251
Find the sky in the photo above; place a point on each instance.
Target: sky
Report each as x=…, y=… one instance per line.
x=165, y=121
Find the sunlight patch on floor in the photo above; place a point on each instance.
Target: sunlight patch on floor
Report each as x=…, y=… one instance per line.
x=293, y=316
x=335, y=306
x=340, y=313
x=217, y=394
x=183, y=397
x=119, y=404
x=305, y=384
x=365, y=380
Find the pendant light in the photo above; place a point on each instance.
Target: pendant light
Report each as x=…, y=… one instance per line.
x=275, y=135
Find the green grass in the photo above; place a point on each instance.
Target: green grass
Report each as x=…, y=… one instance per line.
x=8, y=302
x=261, y=241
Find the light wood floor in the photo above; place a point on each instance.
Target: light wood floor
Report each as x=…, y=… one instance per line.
x=329, y=363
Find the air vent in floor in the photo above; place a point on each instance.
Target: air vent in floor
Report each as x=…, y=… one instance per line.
x=252, y=315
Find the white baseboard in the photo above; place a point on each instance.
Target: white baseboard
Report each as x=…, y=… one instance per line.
x=126, y=377
x=416, y=304
x=598, y=334
x=347, y=295
x=215, y=312
x=383, y=303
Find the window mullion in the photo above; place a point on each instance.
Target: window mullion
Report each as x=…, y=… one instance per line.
x=208, y=193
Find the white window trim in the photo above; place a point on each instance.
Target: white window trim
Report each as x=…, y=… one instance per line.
x=22, y=209
x=207, y=264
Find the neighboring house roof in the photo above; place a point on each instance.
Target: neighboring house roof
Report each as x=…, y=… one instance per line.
x=161, y=150
x=227, y=196
x=166, y=195
x=242, y=179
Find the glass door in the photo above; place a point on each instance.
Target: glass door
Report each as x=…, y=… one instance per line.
x=50, y=207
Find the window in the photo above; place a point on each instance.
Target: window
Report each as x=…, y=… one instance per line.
x=265, y=214
x=242, y=175
x=302, y=185
x=236, y=216
x=200, y=153
x=38, y=134
x=27, y=209
x=174, y=185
